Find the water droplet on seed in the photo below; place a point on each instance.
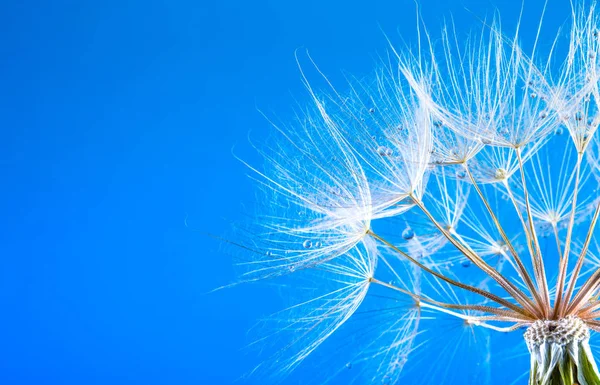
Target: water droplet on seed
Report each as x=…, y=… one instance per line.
x=384, y=151
x=558, y=131
x=465, y=263
x=408, y=233
x=307, y=244
x=500, y=174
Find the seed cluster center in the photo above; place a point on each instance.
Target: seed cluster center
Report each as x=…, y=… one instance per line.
x=561, y=332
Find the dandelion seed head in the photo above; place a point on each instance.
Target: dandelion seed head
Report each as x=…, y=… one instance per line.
x=452, y=196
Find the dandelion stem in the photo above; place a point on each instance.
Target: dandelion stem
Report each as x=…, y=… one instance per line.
x=521, y=268
x=463, y=286
x=586, y=244
x=585, y=292
x=424, y=302
x=589, y=312
x=564, y=260
x=536, y=254
x=517, y=294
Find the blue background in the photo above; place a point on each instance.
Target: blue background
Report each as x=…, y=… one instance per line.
x=117, y=122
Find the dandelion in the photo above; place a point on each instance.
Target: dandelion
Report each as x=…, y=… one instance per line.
x=435, y=208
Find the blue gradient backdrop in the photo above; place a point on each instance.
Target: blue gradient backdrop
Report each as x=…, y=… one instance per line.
x=117, y=122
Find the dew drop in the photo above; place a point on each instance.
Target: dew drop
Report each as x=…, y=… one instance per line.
x=465, y=263
x=307, y=244
x=461, y=174
x=558, y=131
x=543, y=115
x=349, y=365
x=437, y=123
x=317, y=244
x=371, y=110
x=578, y=116
x=533, y=95
x=269, y=253
x=408, y=233
x=486, y=141
x=384, y=151
x=500, y=174
x=592, y=55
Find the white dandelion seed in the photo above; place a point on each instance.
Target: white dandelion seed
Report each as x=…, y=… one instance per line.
x=310, y=217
